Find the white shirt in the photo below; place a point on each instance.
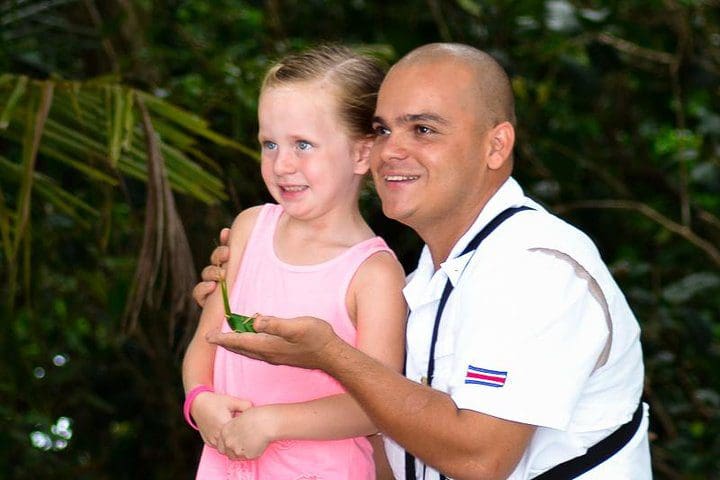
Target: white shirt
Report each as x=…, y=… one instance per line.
x=521, y=335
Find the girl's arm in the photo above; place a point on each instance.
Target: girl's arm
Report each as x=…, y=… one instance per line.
x=210, y=411
x=376, y=303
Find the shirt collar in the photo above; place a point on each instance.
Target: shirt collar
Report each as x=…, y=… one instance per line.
x=416, y=289
x=510, y=194
x=421, y=287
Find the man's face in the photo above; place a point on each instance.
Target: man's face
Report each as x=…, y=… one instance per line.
x=428, y=159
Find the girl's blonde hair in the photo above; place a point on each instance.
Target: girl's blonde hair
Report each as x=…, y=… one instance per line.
x=356, y=79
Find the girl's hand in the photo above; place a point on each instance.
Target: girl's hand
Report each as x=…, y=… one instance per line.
x=248, y=434
x=212, y=410
x=212, y=273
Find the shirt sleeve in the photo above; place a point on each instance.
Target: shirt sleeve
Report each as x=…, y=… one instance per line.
x=531, y=335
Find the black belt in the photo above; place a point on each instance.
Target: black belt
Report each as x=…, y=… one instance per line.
x=481, y=235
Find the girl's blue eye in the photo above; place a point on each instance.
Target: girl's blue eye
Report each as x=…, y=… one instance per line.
x=269, y=145
x=303, y=145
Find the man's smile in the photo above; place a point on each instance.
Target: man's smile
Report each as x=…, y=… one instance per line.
x=400, y=178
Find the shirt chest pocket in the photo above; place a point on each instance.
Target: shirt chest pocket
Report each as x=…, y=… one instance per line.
x=444, y=360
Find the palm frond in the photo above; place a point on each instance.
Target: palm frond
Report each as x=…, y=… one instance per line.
x=102, y=131
x=49, y=190
x=94, y=129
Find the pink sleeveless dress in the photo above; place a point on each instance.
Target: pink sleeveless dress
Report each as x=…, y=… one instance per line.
x=267, y=285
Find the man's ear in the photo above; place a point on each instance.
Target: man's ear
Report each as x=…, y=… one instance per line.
x=502, y=141
x=361, y=155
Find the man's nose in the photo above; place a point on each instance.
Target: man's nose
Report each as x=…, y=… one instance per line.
x=392, y=147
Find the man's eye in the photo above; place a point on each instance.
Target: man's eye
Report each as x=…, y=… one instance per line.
x=423, y=130
x=303, y=145
x=269, y=145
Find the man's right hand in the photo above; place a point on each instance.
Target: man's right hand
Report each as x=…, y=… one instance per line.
x=212, y=273
x=305, y=342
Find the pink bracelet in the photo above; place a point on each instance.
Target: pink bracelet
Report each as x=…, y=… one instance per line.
x=189, y=398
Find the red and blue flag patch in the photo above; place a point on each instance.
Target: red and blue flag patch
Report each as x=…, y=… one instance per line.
x=483, y=376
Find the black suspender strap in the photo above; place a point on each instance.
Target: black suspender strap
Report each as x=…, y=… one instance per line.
x=472, y=246
x=481, y=235
x=598, y=453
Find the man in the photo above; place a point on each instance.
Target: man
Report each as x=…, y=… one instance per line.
x=522, y=353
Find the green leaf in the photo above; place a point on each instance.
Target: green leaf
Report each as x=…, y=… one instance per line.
x=93, y=128
x=48, y=189
x=92, y=173
x=240, y=323
x=117, y=124
x=226, y=303
x=470, y=7
x=192, y=123
x=15, y=96
x=31, y=142
x=128, y=120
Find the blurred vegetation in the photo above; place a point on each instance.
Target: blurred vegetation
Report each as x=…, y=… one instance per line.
x=127, y=140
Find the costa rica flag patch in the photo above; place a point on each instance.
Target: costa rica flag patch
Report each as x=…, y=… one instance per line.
x=484, y=376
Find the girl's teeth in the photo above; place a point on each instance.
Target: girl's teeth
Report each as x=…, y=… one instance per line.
x=294, y=188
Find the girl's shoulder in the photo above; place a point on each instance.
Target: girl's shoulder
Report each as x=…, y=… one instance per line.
x=380, y=270
x=243, y=225
x=245, y=220
x=248, y=216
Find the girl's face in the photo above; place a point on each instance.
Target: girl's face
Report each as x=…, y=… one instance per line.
x=310, y=164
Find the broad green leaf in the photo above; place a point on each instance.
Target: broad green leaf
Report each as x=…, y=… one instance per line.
x=239, y=323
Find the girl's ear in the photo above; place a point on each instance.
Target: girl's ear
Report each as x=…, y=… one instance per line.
x=361, y=155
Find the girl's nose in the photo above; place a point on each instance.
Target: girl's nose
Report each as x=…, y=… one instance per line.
x=284, y=163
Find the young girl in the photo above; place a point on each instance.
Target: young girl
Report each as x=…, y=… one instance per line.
x=312, y=253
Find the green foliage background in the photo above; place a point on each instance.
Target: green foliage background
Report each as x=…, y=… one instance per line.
x=619, y=112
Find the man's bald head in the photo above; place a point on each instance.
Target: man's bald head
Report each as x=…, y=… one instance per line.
x=491, y=82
